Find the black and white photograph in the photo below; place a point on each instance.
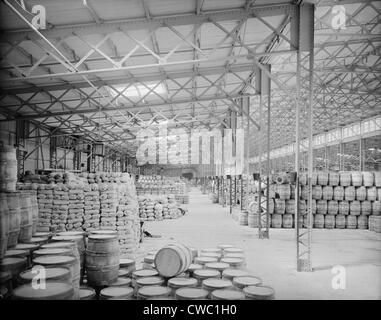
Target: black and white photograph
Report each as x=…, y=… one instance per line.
x=194, y=150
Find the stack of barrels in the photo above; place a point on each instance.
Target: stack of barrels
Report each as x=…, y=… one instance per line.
x=340, y=200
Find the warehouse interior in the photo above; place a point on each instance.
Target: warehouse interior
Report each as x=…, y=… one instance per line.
x=239, y=137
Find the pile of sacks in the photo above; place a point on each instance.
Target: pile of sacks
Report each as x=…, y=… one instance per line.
x=158, y=207
x=76, y=207
x=108, y=201
x=45, y=206
x=60, y=207
x=127, y=218
x=91, y=207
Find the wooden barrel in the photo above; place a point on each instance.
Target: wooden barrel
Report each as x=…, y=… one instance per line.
x=290, y=206
x=191, y=294
x=351, y=222
x=321, y=206
x=232, y=273
x=362, y=222
x=329, y=221
x=226, y=294
x=360, y=193
x=245, y=281
x=219, y=266
x=376, y=208
x=173, y=259
x=350, y=193
x=368, y=179
x=102, y=259
x=371, y=194
x=204, y=260
x=327, y=192
x=78, y=238
x=13, y=265
x=280, y=206
x=338, y=193
x=181, y=282
x=148, y=281
x=355, y=208
x=340, y=221
x=104, y=232
x=50, y=274
x=319, y=221
x=287, y=221
x=53, y=251
x=69, y=262
x=211, y=254
x=276, y=221
x=127, y=264
x=155, y=292
x=37, y=240
x=233, y=262
x=87, y=293
x=26, y=212
x=143, y=273
x=356, y=177
x=14, y=222
x=333, y=207
x=344, y=207
x=252, y=220
x=284, y=191
x=366, y=208
x=243, y=218
x=345, y=178
x=323, y=178
x=123, y=273
x=334, y=179
x=116, y=293
x=317, y=192
x=375, y=223
x=51, y=291
x=203, y=274
x=377, y=179
x=259, y=293
x=4, y=224
x=8, y=169
x=212, y=284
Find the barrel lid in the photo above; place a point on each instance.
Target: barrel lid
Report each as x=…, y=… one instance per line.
x=211, y=254
x=204, y=260
x=50, y=274
x=154, y=291
x=123, y=273
x=206, y=273
x=71, y=233
x=217, y=265
x=8, y=262
x=16, y=253
x=5, y=276
x=67, y=238
x=26, y=246
x=232, y=273
x=58, y=244
x=121, y=282
x=194, y=266
x=258, y=292
x=191, y=293
x=246, y=281
x=232, y=261
x=211, y=250
x=52, y=251
x=227, y=294
x=43, y=234
x=225, y=246
x=86, y=293
x=149, y=259
x=117, y=292
x=53, y=260
x=182, y=282
x=102, y=237
x=125, y=262
x=107, y=232
x=35, y=240
x=150, y=281
x=52, y=290
x=233, y=250
x=144, y=273
x=213, y=283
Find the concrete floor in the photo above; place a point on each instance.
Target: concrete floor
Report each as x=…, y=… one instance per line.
x=273, y=260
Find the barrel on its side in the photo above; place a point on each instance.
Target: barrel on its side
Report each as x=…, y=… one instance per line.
x=173, y=260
